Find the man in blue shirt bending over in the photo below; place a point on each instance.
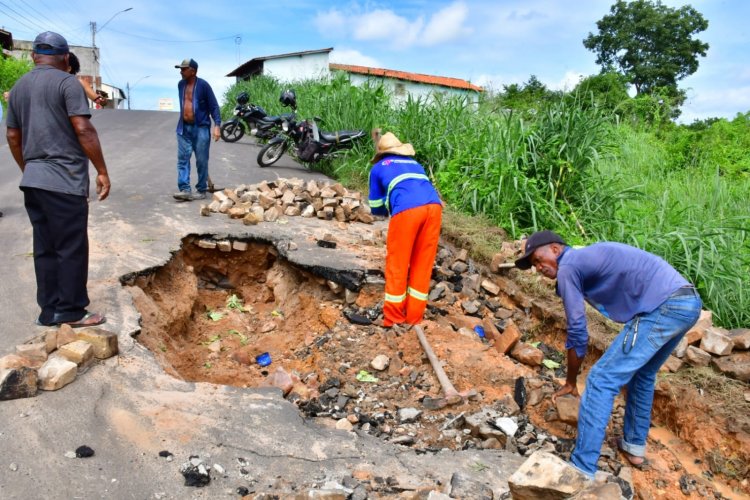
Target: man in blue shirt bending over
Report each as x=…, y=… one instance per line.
x=631, y=286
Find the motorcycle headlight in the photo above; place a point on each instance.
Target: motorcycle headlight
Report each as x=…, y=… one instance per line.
x=285, y=126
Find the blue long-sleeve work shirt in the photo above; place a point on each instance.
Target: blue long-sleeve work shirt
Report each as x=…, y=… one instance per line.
x=205, y=105
x=398, y=183
x=618, y=280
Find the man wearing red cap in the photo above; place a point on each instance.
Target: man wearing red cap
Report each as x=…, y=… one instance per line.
x=631, y=286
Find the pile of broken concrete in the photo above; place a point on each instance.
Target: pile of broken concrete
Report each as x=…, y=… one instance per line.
x=267, y=201
x=53, y=360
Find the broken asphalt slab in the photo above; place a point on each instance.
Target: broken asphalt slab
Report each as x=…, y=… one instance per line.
x=126, y=408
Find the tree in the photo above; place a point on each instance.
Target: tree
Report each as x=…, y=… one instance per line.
x=609, y=89
x=649, y=43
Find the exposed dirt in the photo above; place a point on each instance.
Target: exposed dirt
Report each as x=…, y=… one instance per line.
x=208, y=314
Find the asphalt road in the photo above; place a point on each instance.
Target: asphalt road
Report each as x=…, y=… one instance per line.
x=126, y=408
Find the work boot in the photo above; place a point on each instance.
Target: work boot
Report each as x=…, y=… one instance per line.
x=200, y=195
x=183, y=196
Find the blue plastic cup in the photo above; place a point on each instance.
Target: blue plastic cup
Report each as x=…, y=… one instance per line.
x=263, y=359
x=480, y=331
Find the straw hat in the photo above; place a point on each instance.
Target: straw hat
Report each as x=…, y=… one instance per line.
x=390, y=145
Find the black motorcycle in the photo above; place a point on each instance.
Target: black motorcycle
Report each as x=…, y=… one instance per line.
x=304, y=140
x=252, y=119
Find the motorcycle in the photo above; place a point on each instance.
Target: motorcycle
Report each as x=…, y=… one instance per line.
x=253, y=118
x=306, y=142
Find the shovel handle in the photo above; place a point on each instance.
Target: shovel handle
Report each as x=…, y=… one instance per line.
x=448, y=388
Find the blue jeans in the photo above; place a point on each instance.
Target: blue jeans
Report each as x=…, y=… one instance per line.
x=194, y=139
x=632, y=360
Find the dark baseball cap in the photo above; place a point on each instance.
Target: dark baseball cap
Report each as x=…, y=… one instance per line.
x=50, y=44
x=187, y=63
x=537, y=240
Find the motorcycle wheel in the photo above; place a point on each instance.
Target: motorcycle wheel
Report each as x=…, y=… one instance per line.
x=232, y=131
x=270, y=154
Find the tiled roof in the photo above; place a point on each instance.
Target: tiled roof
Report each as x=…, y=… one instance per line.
x=443, y=81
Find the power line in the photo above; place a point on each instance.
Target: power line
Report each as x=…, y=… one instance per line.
x=33, y=10
x=174, y=41
x=22, y=16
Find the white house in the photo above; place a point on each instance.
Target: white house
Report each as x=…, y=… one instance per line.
x=310, y=64
x=314, y=64
x=403, y=84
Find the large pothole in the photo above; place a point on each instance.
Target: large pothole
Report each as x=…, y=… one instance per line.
x=208, y=313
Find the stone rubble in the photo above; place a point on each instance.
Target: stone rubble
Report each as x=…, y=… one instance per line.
x=268, y=201
x=53, y=359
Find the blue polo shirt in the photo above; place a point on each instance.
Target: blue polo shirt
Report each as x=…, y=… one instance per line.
x=398, y=183
x=619, y=280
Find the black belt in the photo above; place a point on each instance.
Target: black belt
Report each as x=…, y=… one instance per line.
x=685, y=290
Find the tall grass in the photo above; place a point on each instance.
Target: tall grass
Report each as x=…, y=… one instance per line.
x=569, y=167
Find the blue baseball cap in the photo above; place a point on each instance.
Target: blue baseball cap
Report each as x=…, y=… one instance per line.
x=50, y=44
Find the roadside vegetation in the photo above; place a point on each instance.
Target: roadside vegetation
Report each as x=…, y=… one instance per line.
x=592, y=164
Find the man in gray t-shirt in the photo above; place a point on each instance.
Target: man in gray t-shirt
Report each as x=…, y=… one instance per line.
x=52, y=140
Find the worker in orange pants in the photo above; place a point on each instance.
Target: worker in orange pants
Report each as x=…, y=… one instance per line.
x=400, y=188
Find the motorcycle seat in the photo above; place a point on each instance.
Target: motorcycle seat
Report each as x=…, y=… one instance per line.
x=341, y=135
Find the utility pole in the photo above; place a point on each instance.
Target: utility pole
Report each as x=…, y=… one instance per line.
x=94, y=31
x=127, y=87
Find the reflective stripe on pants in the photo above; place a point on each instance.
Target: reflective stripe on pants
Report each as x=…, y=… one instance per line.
x=411, y=247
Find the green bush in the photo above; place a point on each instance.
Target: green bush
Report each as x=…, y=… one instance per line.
x=11, y=70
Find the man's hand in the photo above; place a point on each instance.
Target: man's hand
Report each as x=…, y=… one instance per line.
x=566, y=389
x=102, y=186
x=217, y=133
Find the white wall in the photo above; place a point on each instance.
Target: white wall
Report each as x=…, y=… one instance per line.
x=289, y=69
x=401, y=89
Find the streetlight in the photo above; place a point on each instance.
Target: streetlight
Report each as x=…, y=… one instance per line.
x=94, y=31
x=129, y=88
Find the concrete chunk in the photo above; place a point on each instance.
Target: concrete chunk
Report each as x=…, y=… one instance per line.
x=18, y=383
x=36, y=351
x=491, y=287
x=210, y=245
x=56, y=373
x=527, y=354
x=65, y=335
x=741, y=338
x=567, y=409
x=697, y=357
x=103, y=342
x=10, y=361
x=735, y=365
x=695, y=334
x=673, y=364
x=240, y=246
x=716, y=341
x=508, y=338
x=545, y=475
x=79, y=352
x=50, y=339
